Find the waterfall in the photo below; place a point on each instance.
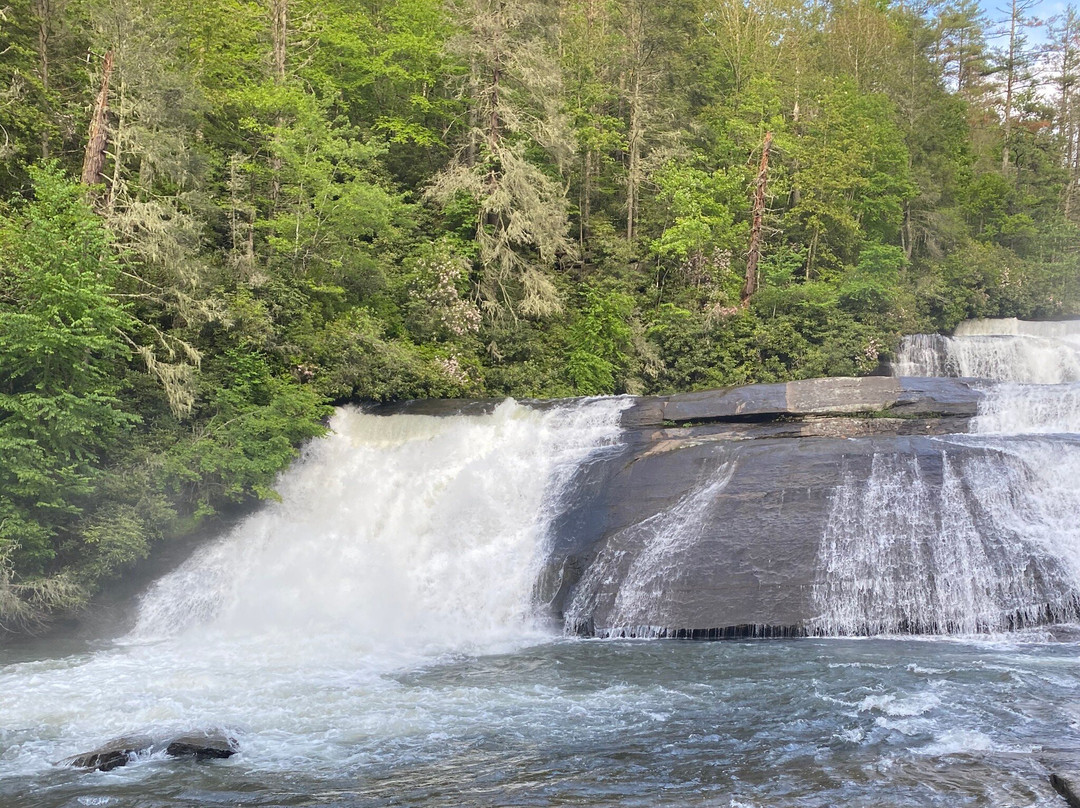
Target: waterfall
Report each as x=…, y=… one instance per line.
x=1002, y=350
x=1018, y=409
x=988, y=542
x=398, y=541
x=431, y=528
x=644, y=560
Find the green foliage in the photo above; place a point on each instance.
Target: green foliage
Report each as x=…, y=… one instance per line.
x=702, y=211
x=59, y=350
x=250, y=422
x=853, y=178
x=600, y=342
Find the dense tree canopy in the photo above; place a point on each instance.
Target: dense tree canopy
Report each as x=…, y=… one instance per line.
x=294, y=203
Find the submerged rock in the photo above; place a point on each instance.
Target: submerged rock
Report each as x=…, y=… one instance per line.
x=199, y=744
x=1068, y=786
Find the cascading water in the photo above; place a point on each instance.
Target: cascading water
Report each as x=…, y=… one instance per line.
x=1003, y=350
x=989, y=545
x=668, y=541
x=386, y=529
x=983, y=543
x=397, y=540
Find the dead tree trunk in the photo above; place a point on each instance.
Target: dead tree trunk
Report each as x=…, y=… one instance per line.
x=97, y=141
x=753, y=257
x=279, y=35
x=43, y=12
x=634, y=172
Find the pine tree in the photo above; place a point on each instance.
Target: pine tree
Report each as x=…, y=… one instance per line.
x=514, y=92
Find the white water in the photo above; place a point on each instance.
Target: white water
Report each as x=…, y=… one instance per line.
x=1002, y=350
x=1016, y=409
x=669, y=540
x=398, y=540
x=982, y=546
x=984, y=534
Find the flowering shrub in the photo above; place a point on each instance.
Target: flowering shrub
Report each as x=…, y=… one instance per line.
x=435, y=297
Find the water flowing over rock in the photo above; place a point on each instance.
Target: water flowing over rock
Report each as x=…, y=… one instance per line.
x=776, y=510
x=828, y=506
x=1004, y=350
x=207, y=744
x=408, y=528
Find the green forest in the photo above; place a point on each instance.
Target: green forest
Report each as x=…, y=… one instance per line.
x=220, y=217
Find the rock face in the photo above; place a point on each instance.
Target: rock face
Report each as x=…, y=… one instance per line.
x=198, y=744
x=881, y=395
x=709, y=520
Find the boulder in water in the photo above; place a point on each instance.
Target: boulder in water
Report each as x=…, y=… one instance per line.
x=203, y=745
x=199, y=744
x=111, y=754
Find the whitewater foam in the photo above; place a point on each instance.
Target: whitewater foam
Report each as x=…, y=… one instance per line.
x=398, y=540
x=1000, y=350
x=991, y=541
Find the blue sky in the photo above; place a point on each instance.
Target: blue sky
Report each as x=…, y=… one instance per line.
x=997, y=10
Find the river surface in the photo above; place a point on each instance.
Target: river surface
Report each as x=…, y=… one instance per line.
x=876, y=722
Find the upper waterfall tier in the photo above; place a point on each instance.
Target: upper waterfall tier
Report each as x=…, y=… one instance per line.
x=1003, y=350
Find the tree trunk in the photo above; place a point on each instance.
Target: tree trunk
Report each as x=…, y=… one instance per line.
x=43, y=12
x=118, y=144
x=279, y=34
x=636, y=102
x=472, y=147
x=757, y=222
x=1010, y=78
x=633, y=173
x=97, y=141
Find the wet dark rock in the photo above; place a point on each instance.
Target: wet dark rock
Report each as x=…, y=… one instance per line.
x=198, y=744
x=1068, y=786
x=748, y=567
x=112, y=754
x=208, y=745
